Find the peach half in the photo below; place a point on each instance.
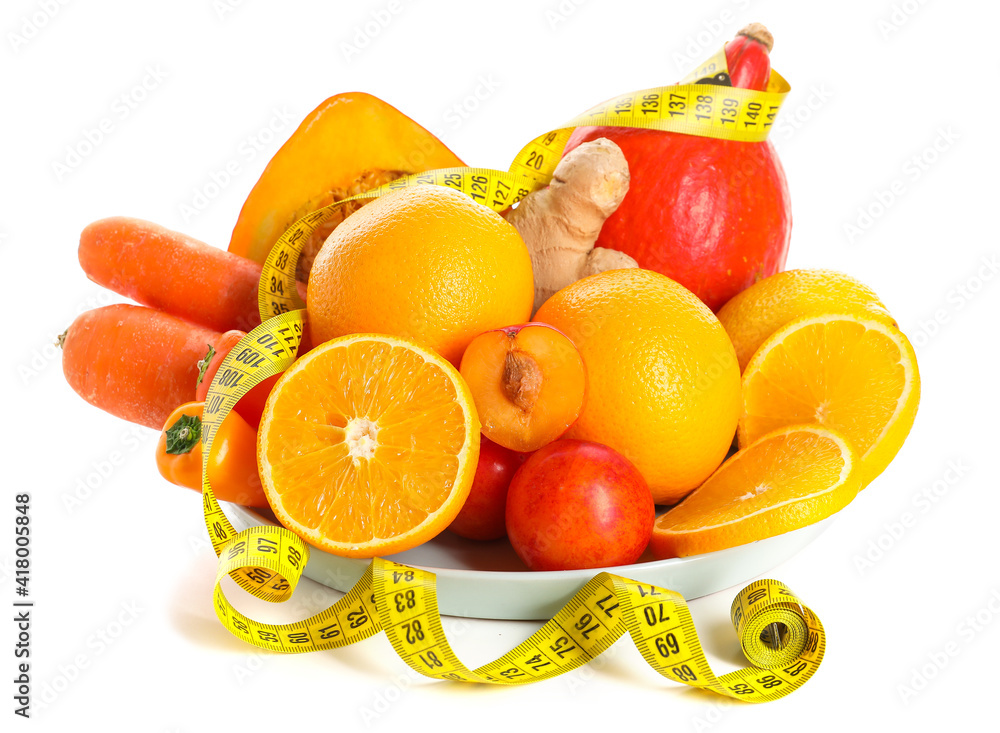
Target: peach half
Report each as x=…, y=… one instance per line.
x=529, y=383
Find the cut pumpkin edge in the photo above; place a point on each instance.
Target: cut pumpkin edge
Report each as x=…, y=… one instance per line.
x=344, y=137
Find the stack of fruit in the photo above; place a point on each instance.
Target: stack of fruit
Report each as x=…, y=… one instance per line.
x=551, y=375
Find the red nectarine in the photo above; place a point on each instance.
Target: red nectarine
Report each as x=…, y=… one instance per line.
x=482, y=515
x=576, y=504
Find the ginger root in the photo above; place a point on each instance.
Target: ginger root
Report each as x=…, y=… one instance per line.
x=561, y=223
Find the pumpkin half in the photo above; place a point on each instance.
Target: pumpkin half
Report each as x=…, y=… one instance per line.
x=349, y=144
x=714, y=215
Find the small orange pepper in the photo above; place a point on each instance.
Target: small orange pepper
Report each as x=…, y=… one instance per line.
x=232, y=466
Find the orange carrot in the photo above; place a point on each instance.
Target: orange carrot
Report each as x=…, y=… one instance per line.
x=170, y=271
x=136, y=363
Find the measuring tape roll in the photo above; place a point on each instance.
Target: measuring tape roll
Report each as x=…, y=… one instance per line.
x=779, y=634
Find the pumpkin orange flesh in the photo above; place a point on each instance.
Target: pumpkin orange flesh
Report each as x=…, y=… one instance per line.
x=350, y=143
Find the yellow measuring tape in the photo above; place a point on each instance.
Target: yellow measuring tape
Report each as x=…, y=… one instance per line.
x=781, y=637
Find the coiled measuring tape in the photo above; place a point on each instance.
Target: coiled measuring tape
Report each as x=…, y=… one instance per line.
x=780, y=636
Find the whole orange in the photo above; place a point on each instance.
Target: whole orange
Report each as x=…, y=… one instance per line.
x=426, y=263
x=663, y=376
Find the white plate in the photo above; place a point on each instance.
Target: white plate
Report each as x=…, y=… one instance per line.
x=488, y=580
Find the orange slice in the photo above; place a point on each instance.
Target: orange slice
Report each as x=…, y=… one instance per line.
x=767, y=305
x=368, y=445
x=845, y=372
x=785, y=480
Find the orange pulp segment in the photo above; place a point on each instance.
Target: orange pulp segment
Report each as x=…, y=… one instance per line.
x=368, y=445
x=845, y=372
x=786, y=480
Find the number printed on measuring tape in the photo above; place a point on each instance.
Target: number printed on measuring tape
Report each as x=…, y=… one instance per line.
x=781, y=637
x=709, y=110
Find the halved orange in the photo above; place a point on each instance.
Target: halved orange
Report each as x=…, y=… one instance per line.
x=847, y=372
x=368, y=445
x=785, y=480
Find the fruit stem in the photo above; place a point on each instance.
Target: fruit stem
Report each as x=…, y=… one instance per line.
x=759, y=33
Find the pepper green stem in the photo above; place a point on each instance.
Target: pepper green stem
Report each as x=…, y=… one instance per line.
x=184, y=435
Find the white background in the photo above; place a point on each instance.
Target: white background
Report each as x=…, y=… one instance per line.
x=886, y=94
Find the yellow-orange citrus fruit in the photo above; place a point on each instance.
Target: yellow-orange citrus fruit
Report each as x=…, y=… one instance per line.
x=368, y=445
x=785, y=480
x=851, y=374
x=760, y=310
x=426, y=263
x=664, y=384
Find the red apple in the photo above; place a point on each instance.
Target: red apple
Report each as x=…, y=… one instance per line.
x=482, y=515
x=576, y=504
